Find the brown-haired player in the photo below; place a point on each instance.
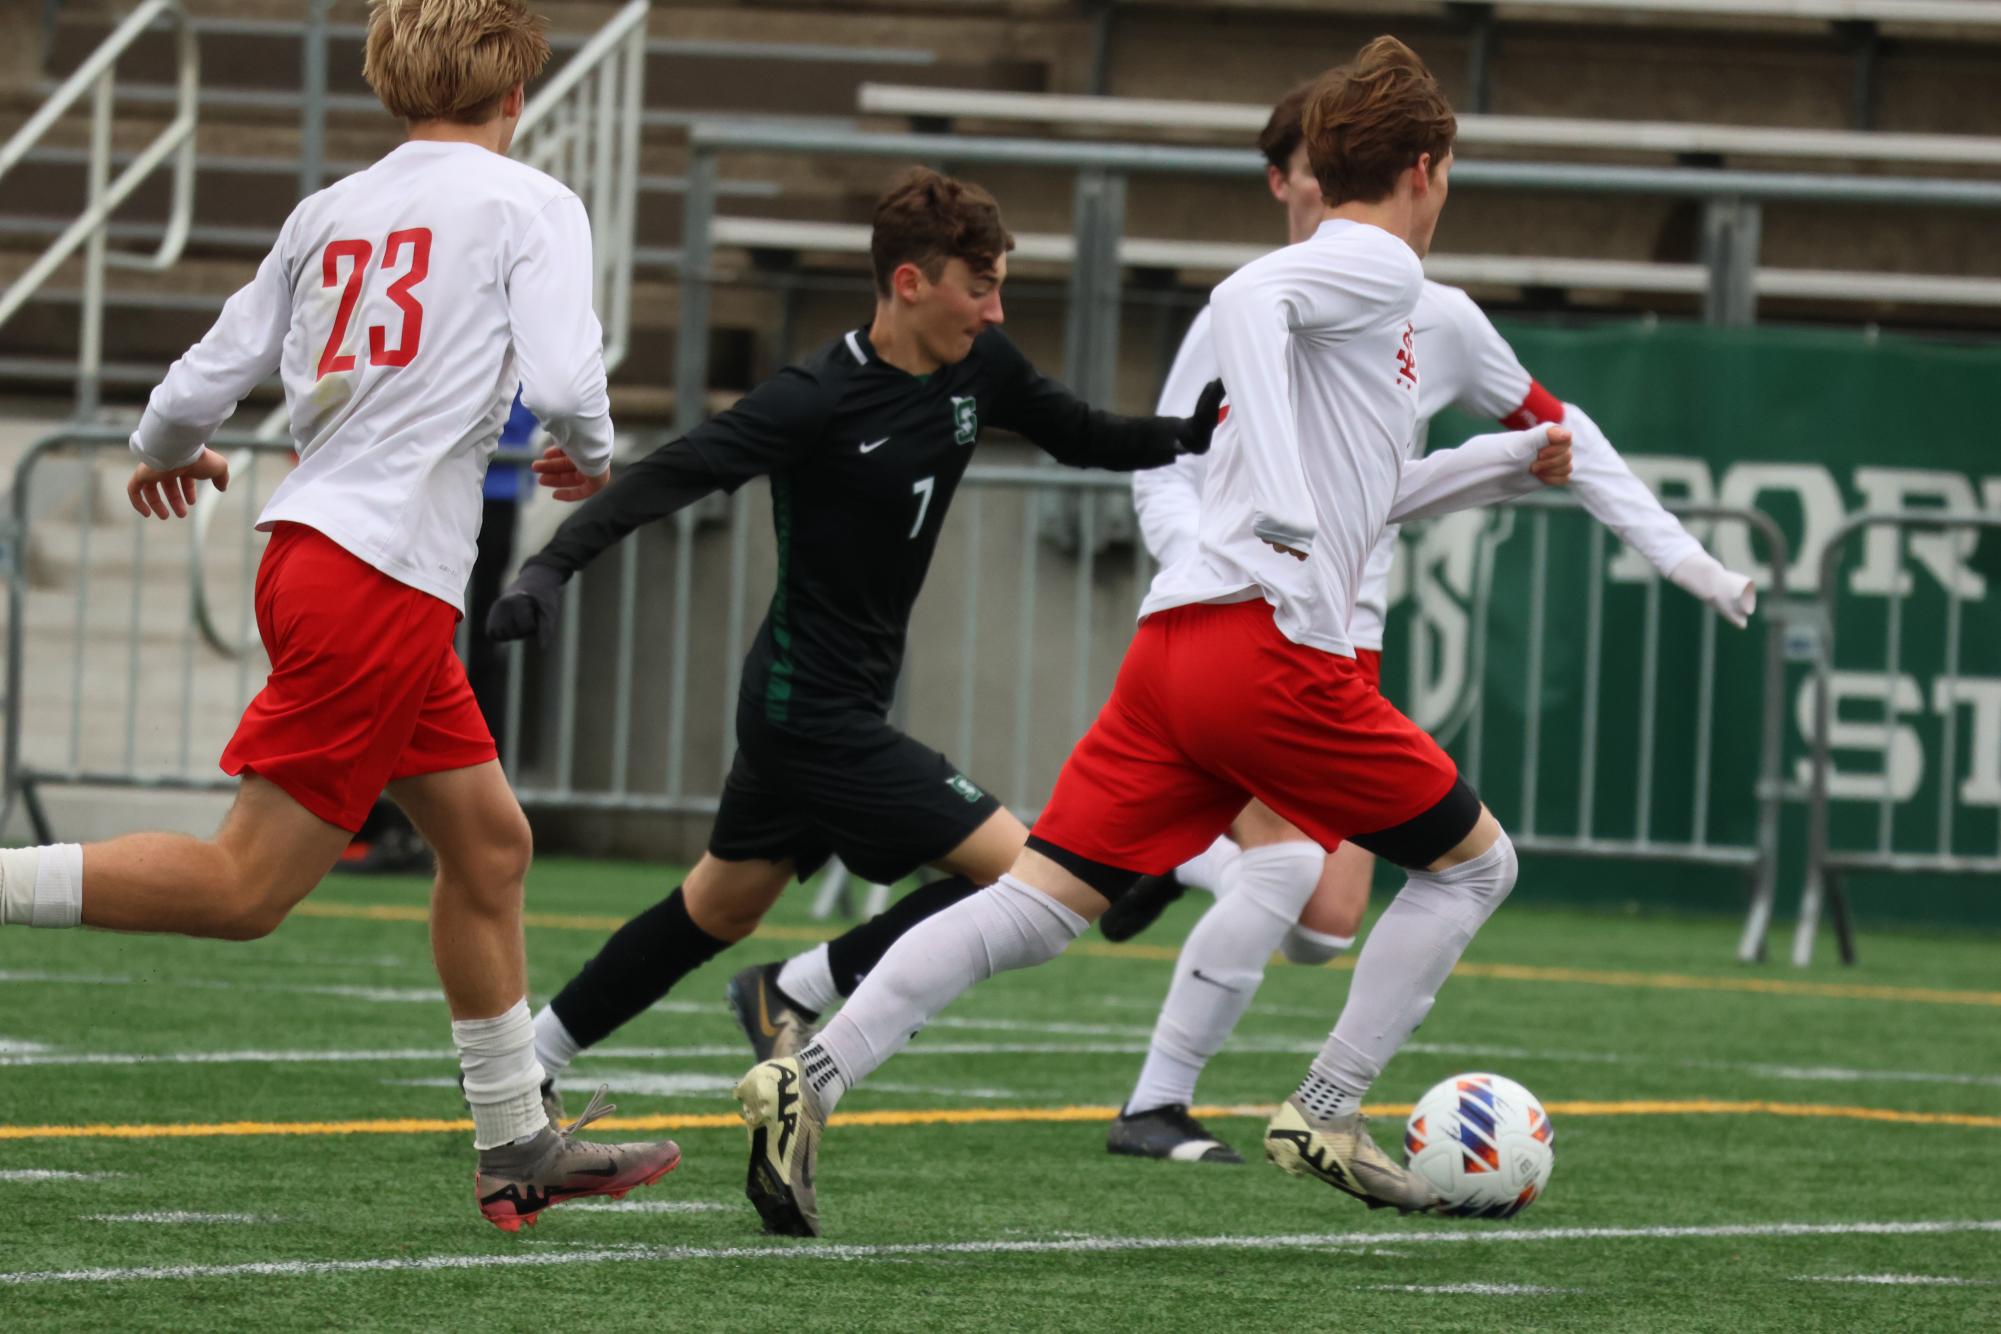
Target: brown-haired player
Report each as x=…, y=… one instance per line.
x=1241, y=681
x=1276, y=890
x=400, y=306
x=864, y=442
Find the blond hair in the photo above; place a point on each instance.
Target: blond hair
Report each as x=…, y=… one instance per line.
x=451, y=59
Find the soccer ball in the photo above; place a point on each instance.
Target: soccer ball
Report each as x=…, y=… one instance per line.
x=1483, y=1142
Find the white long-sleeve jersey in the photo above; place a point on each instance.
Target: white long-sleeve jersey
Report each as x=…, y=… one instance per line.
x=402, y=305
x=1466, y=365
x=1317, y=349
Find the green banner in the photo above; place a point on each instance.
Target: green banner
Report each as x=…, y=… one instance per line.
x=1809, y=427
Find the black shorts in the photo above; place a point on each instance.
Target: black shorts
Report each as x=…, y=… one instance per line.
x=882, y=801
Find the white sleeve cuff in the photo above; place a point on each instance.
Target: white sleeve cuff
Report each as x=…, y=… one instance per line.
x=166, y=445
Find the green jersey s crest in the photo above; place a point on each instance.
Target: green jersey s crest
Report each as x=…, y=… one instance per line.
x=966, y=417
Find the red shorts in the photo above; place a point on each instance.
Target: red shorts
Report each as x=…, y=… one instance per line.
x=1214, y=706
x=364, y=687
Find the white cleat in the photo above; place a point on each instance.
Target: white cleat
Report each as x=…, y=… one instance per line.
x=1340, y=1152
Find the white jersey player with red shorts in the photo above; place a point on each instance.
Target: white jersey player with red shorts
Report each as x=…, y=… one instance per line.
x=1466, y=365
x=1242, y=680
x=400, y=307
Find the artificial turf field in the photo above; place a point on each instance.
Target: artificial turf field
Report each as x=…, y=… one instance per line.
x=1736, y=1148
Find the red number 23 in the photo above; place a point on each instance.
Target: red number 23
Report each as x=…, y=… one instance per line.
x=357, y=254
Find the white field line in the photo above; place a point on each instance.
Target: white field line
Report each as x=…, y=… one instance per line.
x=21, y=1044
x=653, y=1084
x=1069, y=1245
x=734, y=1052
x=1472, y=1289
x=179, y=1216
x=1900, y=1280
x=391, y=995
x=54, y=1174
x=1118, y=1039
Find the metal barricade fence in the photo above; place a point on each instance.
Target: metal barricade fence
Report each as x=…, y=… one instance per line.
x=1543, y=669
x=110, y=680
x=1573, y=731
x=1914, y=817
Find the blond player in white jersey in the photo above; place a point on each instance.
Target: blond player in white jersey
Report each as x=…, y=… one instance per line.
x=1278, y=889
x=400, y=306
x=1242, y=681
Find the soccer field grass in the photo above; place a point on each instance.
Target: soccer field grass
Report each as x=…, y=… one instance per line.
x=1736, y=1148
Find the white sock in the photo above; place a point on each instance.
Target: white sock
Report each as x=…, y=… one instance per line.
x=1007, y=925
x=1409, y=954
x=42, y=886
x=809, y=980
x=1206, y=869
x=554, y=1047
x=503, y=1080
x=1263, y=892
x=1303, y=945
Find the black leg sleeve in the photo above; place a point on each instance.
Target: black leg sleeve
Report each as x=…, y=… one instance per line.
x=637, y=966
x=852, y=955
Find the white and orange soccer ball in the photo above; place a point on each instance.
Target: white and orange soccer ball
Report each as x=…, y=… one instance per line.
x=1483, y=1142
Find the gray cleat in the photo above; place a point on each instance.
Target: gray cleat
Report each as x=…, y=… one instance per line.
x=516, y=1182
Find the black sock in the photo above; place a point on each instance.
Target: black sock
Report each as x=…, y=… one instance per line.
x=849, y=957
x=637, y=966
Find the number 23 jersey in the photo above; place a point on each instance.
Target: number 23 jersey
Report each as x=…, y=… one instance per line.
x=401, y=305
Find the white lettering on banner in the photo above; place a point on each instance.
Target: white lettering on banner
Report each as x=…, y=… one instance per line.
x=1899, y=753
x=1821, y=511
x=1818, y=495
x=1944, y=554
x=1983, y=785
x=1438, y=567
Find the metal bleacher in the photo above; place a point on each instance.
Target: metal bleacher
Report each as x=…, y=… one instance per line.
x=1833, y=154
x=262, y=145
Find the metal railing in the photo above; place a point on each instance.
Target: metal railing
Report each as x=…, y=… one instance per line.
x=1551, y=788
x=97, y=77
x=582, y=127
x=108, y=681
x=1731, y=201
x=111, y=682
x=1892, y=797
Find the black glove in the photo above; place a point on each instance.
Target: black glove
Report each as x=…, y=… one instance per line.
x=528, y=606
x=1196, y=430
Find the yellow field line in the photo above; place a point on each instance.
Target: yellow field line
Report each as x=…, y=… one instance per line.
x=981, y=1116
x=1505, y=972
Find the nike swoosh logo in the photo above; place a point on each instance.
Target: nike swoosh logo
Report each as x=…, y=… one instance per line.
x=1197, y=975
x=764, y=1015
x=610, y=1169
x=874, y=445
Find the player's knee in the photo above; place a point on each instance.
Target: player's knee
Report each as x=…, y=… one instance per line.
x=253, y=912
x=492, y=867
x=1499, y=880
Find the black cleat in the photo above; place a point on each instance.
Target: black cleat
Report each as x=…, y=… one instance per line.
x=1140, y=907
x=776, y=1025
x=1168, y=1133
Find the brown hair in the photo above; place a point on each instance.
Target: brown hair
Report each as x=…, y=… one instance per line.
x=1282, y=133
x=451, y=59
x=1368, y=121
x=926, y=219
